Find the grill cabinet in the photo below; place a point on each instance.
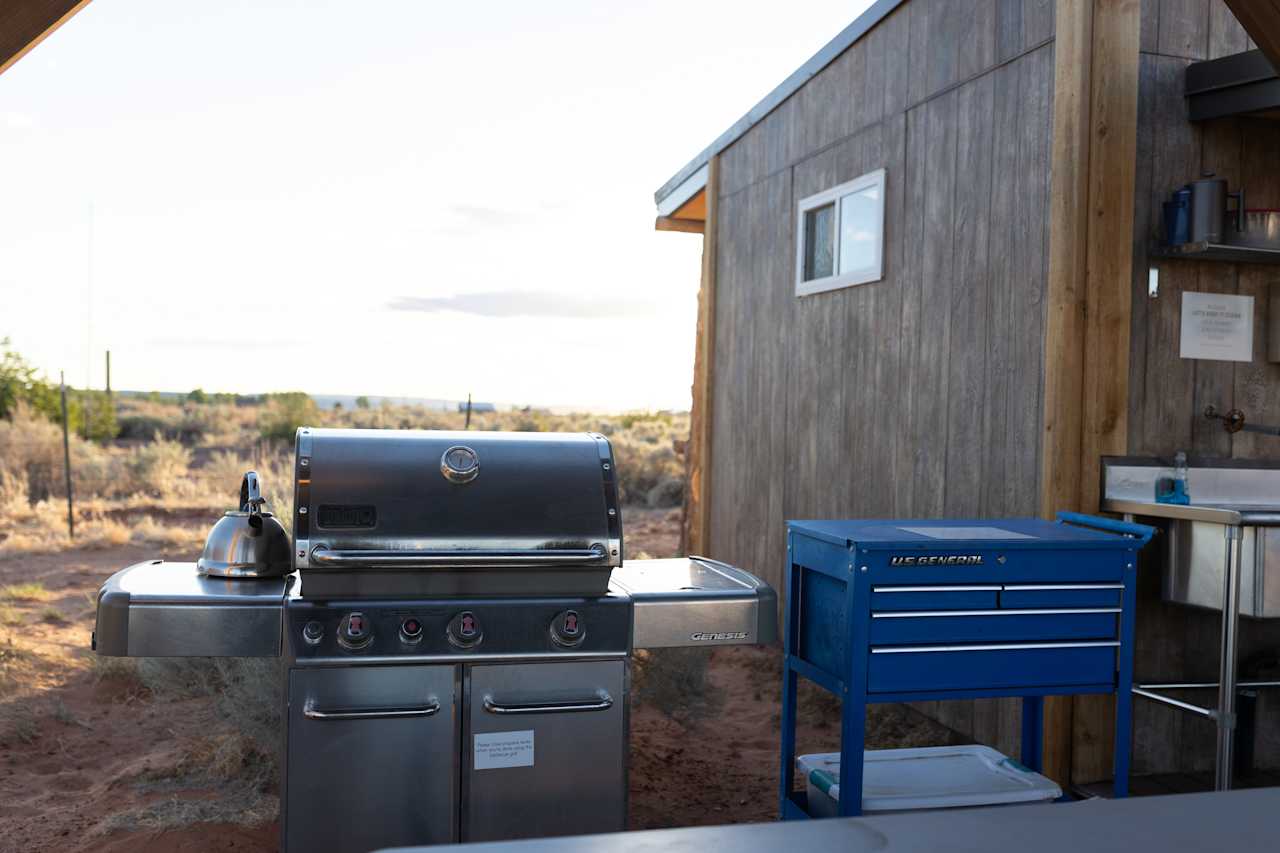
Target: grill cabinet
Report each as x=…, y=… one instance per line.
x=904, y=611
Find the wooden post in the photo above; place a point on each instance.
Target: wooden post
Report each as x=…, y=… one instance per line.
x=467, y=425
x=1086, y=354
x=697, y=528
x=1113, y=152
x=66, y=456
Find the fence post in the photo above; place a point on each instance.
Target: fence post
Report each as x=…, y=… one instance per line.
x=66, y=456
x=467, y=425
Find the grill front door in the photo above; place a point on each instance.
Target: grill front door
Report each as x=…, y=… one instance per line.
x=545, y=750
x=372, y=758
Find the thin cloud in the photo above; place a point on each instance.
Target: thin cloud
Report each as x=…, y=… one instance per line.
x=491, y=217
x=520, y=303
x=204, y=342
x=17, y=121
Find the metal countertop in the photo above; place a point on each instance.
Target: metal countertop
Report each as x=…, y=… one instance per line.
x=1228, y=514
x=162, y=609
x=1185, y=823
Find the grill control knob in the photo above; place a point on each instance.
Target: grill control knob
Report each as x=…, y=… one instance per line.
x=568, y=628
x=312, y=633
x=411, y=630
x=355, y=631
x=464, y=630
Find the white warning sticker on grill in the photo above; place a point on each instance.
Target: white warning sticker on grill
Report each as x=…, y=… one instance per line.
x=495, y=750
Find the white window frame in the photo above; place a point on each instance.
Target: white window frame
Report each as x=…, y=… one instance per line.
x=875, y=272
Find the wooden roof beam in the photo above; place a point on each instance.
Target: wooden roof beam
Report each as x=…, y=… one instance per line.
x=1261, y=20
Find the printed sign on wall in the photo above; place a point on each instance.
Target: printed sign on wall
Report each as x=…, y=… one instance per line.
x=1217, y=326
x=503, y=749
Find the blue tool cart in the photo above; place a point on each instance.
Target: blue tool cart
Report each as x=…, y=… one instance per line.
x=903, y=611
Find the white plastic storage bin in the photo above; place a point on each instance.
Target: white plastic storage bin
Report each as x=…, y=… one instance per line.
x=935, y=777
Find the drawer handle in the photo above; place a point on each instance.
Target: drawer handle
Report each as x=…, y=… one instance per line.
x=970, y=588
x=990, y=647
x=312, y=713
x=1057, y=587
x=914, y=614
x=602, y=702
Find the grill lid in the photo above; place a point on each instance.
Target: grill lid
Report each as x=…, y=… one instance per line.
x=433, y=500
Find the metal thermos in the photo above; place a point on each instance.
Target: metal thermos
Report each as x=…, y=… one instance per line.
x=1209, y=209
x=1177, y=218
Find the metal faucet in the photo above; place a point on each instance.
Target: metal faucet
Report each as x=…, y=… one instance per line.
x=1233, y=421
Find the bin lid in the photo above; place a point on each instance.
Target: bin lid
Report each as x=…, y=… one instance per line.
x=935, y=777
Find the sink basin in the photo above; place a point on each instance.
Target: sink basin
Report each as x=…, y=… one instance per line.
x=1223, y=496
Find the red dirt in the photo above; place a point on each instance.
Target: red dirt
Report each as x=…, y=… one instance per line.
x=79, y=760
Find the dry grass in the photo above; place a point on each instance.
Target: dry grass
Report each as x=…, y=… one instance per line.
x=25, y=592
x=237, y=756
x=52, y=616
x=18, y=723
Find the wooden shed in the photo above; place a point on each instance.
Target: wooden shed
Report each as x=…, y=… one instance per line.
x=1002, y=339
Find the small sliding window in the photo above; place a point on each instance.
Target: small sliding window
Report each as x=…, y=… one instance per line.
x=840, y=236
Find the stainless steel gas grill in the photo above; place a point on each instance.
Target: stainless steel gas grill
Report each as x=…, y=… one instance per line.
x=455, y=643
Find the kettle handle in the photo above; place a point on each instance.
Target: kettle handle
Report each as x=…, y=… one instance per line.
x=251, y=499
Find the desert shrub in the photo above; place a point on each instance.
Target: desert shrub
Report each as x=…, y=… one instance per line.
x=144, y=425
x=644, y=461
x=31, y=461
x=160, y=468
x=284, y=413
x=223, y=472
x=13, y=492
x=674, y=681
x=668, y=492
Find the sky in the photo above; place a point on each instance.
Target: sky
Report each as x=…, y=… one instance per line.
x=398, y=198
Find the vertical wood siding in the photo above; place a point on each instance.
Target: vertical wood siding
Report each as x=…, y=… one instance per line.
x=1167, y=392
x=919, y=395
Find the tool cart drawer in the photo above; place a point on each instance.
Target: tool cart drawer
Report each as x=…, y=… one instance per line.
x=991, y=666
x=938, y=597
x=1018, y=596
x=993, y=626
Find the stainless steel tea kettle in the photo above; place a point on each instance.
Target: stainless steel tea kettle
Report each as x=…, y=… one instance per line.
x=247, y=543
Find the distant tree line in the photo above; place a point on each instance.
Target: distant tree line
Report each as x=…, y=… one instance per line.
x=90, y=413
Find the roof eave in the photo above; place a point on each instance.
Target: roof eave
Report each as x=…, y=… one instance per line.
x=685, y=180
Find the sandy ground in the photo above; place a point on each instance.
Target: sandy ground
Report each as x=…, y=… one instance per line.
x=84, y=751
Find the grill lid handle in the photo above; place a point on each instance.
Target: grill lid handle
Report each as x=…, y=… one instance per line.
x=322, y=555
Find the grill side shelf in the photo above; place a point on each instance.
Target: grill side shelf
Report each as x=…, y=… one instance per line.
x=697, y=601
x=160, y=609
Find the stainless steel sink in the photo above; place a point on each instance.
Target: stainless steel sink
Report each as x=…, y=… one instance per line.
x=1224, y=498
